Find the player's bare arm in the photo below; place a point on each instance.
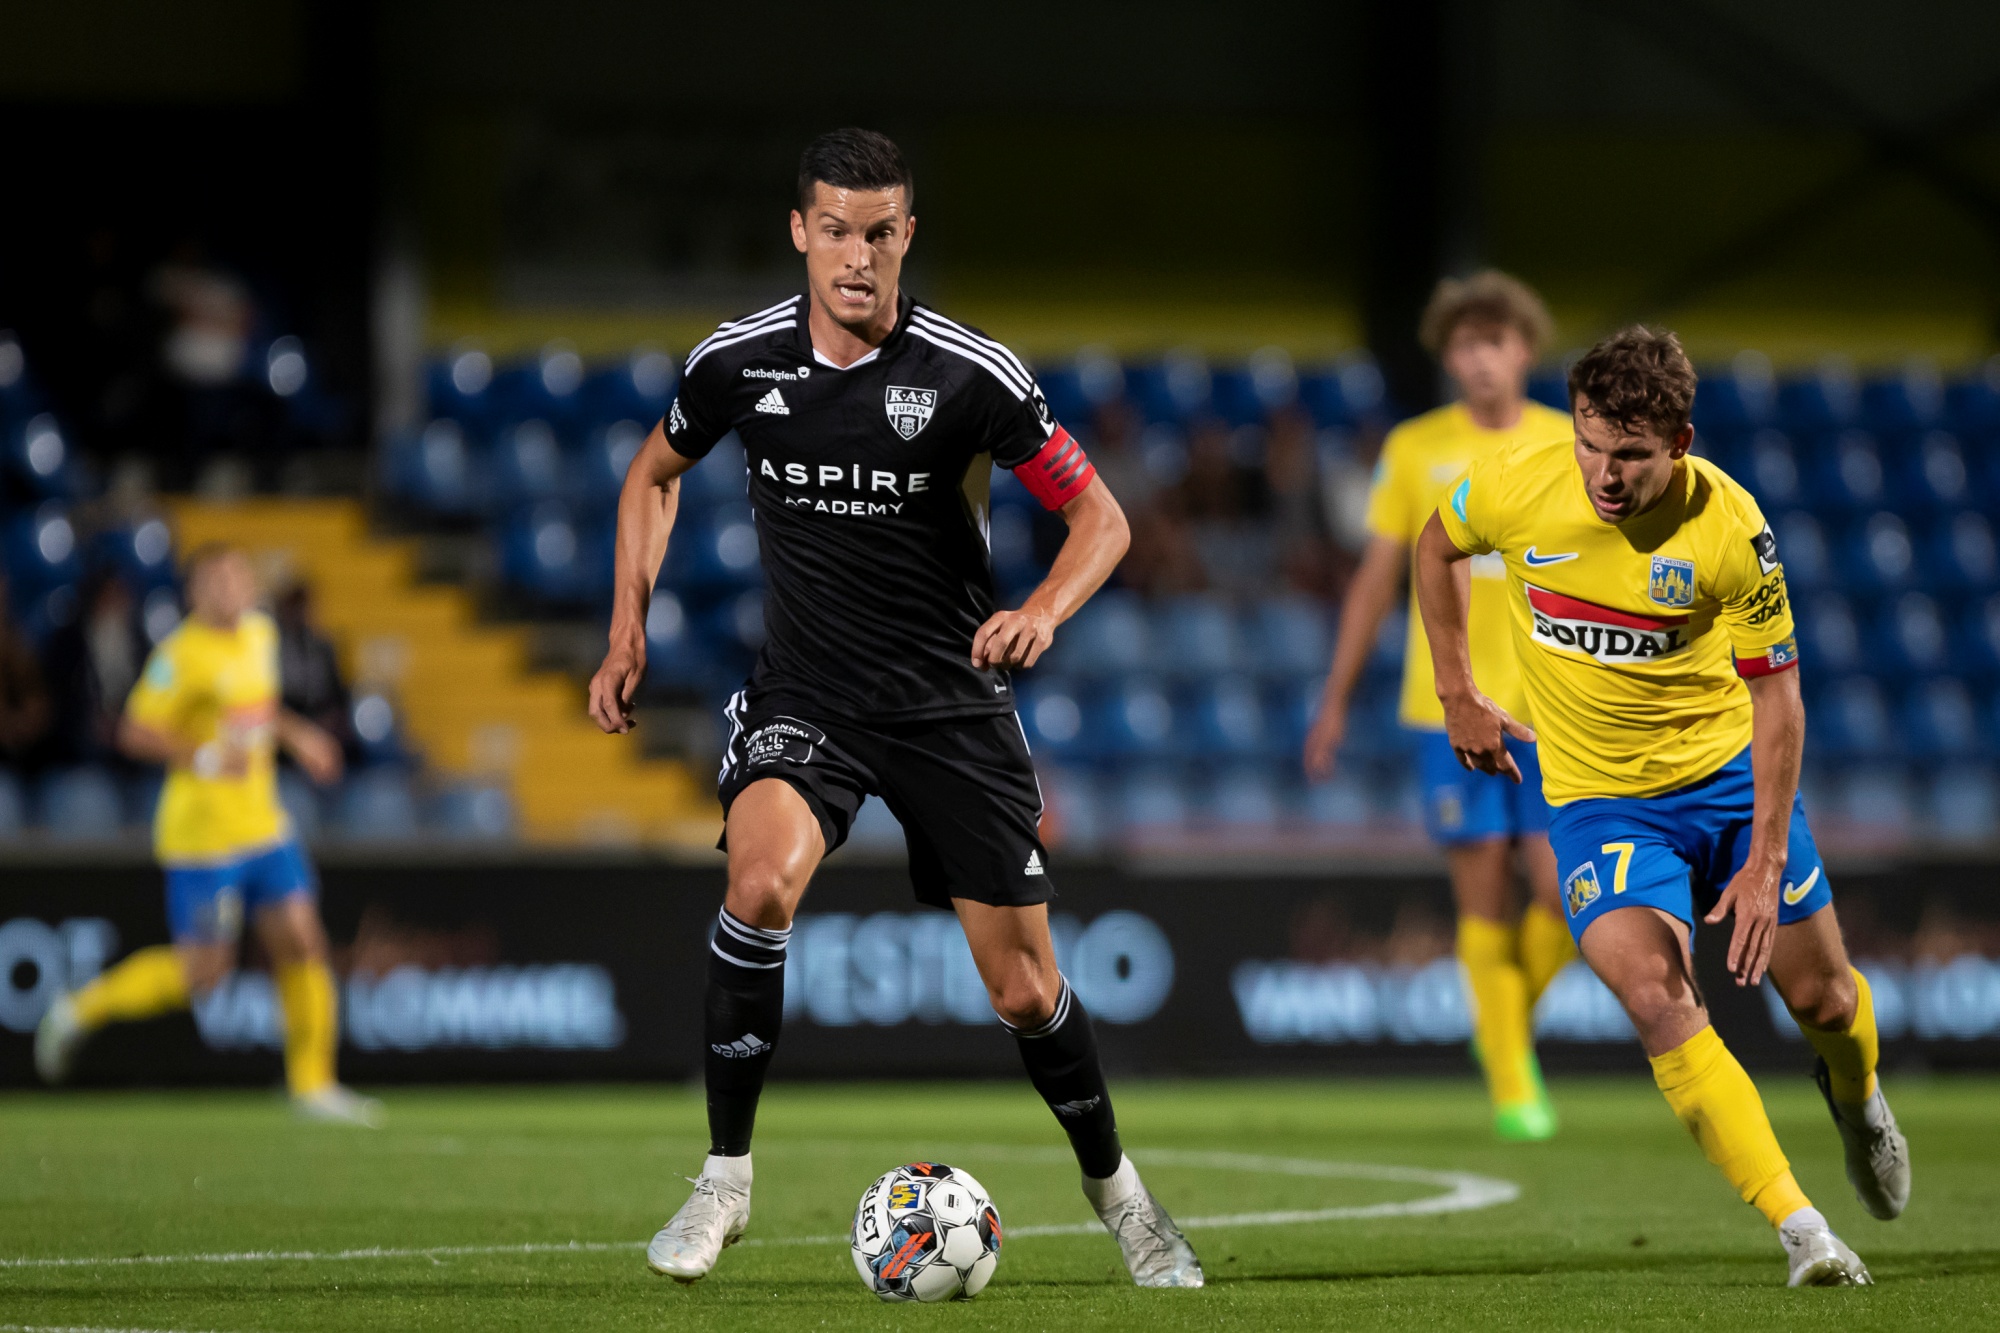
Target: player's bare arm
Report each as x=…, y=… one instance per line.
x=1478, y=727
x=646, y=508
x=1777, y=742
x=151, y=745
x=1370, y=594
x=1098, y=537
x=310, y=746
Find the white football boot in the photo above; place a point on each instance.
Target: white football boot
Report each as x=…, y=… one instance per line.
x=1818, y=1257
x=1156, y=1252
x=714, y=1217
x=57, y=1040
x=1878, y=1156
x=335, y=1105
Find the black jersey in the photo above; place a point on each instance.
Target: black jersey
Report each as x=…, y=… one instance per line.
x=869, y=487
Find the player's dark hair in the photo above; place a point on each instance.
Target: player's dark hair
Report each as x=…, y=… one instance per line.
x=852, y=159
x=1638, y=379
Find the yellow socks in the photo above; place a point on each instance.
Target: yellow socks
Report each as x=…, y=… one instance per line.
x=1719, y=1105
x=1500, y=1011
x=144, y=985
x=1850, y=1055
x=311, y=1025
x=1546, y=949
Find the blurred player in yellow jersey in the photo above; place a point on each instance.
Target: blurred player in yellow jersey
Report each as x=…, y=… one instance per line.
x=206, y=707
x=1654, y=631
x=1486, y=331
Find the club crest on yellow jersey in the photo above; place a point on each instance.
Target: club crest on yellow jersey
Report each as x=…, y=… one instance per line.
x=1581, y=890
x=1672, y=583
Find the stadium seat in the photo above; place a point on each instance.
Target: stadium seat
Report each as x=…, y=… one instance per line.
x=1768, y=465
x=1010, y=534
x=1135, y=719
x=377, y=728
x=875, y=829
x=1964, y=803
x=81, y=805
x=13, y=804
x=1550, y=388
x=1109, y=636
x=548, y=387
x=1932, y=474
x=1899, y=404
x=1827, y=400
x=1150, y=799
x=677, y=656
x=1227, y=716
x=1851, y=721
x=1978, y=637
x=1972, y=404
x=1802, y=547
x=1911, y=638
x=1074, y=818
x=1234, y=396
x=379, y=804
x=461, y=387
x=1847, y=475
x=1960, y=554
x=1877, y=554
x=1053, y=713
x=474, y=811
x=599, y=467
x=1244, y=798
x=638, y=388
x=435, y=471
x=1345, y=394
x=720, y=478
x=41, y=551
x=41, y=462
x=735, y=623
x=1289, y=637
x=1744, y=398
x=1940, y=720
x=1877, y=800
x=1062, y=389
x=1343, y=802
x=1196, y=636
x=542, y=553
x=525, y=466
x=1829, y=634
x=301, y=802
x=1173, y=389
x=715, y=551
x=142, y=552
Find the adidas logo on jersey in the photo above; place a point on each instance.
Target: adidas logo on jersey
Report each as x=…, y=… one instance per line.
x=742, y=1048
x=774, y=403
x=1034, y=864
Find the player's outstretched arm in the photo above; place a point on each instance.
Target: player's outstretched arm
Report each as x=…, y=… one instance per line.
x=1098, y=536
x=646, y=507
x=311, y=746
x=1777, y=744
x=1369, y=595
x=1477, y=726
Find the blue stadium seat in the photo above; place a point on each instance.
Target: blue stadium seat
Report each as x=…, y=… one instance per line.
x=1076, y=818
x=81, y=805
x=1940, y=720
x=301, y=802
x=1196, y=636
x=1151, y=799
x=1054, y=713
x=1847, y=475
x=1769, y=466
x=41, y=551
x=461, y=387
x=1550, y=388
x=377, y=728
x=1899, y=404
x=13, y=804
x=1345, y=394
x=1235, y=399
x=548, y=555
x=677, y=656
x=735, y=624
x=1062, y=389
x=1342, y=802
x=1135, y=719
x=1010, y=533
x=379, y=805
x=1877, y=554
x=474, y=811
x=1960, y=554
x=1172, y=389
x=1741, y=399
x=1877, y=800
x=1911, y=638
x=1932, y=473
x=1964, y=803
x=1289, y=636
x=715, y=551
x=601, y=464
x=525, y=466
x=638, y=388
x=1245, y=798
x=1827, y=400
x=41, y=461
x=720, y=478
x=1228, y=718
x=142, y=552
x=1972, y=404
x=1829, y=634
x=1851, y=720
x=1109, y=636
x=549, y=387
x=435, y=471
x=1802, y=546
x=1978, y=637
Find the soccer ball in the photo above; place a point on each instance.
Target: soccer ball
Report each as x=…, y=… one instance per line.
x=926, y=1232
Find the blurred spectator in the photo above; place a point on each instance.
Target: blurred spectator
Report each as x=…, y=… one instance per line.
x=24, y=696
x=1306, y=554
x=309, y=668
x=1226, y=499
x=93, y=662
x=205, y=351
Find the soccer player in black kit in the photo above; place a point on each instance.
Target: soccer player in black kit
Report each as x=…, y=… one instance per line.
x=871, y=425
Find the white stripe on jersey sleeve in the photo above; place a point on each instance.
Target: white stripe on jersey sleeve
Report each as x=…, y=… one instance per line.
x=973, y=346
x=717, y=341
x=783, y=307
x=993, y=367
x=1006, y=354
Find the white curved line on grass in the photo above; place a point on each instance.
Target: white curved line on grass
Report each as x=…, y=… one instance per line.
x=1462, y=1192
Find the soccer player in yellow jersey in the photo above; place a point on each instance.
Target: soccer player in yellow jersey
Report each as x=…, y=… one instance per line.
x=206, y=707
x=1486, y=331
x=1655, y=636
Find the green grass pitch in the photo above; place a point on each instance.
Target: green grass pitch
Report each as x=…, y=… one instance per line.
x=1619, y=1223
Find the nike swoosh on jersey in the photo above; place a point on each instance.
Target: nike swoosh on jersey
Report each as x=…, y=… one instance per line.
x=1533, y=558
x=1795, y=896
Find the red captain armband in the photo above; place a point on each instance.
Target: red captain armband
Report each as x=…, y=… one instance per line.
x=1058, y=472
x=1778, y=657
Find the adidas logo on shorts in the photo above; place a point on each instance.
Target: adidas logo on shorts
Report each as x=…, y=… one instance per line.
x=742, y=1048
x=774, y=403
x=1034, y=864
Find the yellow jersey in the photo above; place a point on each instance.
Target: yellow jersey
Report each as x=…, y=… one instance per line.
x=1633, y=637
x=204, y=684
x=1419, y=459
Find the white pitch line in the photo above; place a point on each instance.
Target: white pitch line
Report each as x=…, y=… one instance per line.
x=1463, y=1192
x=76, y=1328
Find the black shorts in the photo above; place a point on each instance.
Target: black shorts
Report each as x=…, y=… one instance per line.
x=963, y=789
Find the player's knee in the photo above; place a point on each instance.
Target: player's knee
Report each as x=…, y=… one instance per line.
x=761, y=894
x=1023, y=999
x=1826, y=999
x=204, y=969
x=1656, y=1006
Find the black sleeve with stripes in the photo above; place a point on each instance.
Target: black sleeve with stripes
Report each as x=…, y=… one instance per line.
x=699, y=414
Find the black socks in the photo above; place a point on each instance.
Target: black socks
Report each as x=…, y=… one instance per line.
x=1061, y=1056
x=746, y=1004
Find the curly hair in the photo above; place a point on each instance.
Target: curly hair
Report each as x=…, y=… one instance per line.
x=1487, y=297
x=1638, y=379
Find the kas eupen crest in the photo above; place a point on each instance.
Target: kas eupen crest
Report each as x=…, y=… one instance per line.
x=910, y=409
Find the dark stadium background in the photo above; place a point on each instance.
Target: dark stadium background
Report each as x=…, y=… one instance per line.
x=453, y=234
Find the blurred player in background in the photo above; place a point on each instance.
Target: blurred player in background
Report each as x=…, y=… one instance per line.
x=1655, y=639
x=1487, y=331
x=206, y=707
